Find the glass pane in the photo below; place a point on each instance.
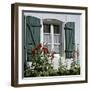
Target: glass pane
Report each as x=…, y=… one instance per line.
x=46, y=28
x=57, y=48
x=56, y=29
x=56, y=38
x=47, y=38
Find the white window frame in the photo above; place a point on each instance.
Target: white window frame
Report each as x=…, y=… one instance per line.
x=52, y=35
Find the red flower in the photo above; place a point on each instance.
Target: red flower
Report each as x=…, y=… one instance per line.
x=33, y=51
x=53, y=54
x=39, y=46
x=52, y=57
x=45, y=50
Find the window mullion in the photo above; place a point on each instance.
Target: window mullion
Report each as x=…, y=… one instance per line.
x=52, y=36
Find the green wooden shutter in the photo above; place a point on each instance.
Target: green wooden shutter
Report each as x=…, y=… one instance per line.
x=69, y=39
x=32, y=34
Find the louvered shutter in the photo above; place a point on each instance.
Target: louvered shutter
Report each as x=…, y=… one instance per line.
x=32, y=34
x=69, y=39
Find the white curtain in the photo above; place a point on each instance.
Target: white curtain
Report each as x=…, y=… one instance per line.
x=47, y=39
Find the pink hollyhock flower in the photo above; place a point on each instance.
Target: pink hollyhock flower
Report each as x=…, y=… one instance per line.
x=52, y=55
x=74, y=54
x=45, y=50
x=39, y=46
x=33, y=51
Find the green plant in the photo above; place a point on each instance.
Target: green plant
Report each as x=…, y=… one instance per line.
x=62, y=70
x=40, y=62
x=26, y=70
x=74, y=70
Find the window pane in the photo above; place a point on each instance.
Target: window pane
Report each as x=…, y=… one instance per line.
x=46, y=28
x=56, y=38
x=56, y=29
x=47, y=38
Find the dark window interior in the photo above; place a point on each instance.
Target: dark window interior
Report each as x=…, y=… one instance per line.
x=46, y=28
x=56, y=29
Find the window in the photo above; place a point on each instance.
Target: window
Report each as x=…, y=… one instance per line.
x=52, y=35
x=57, y=38
x=47, y=35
